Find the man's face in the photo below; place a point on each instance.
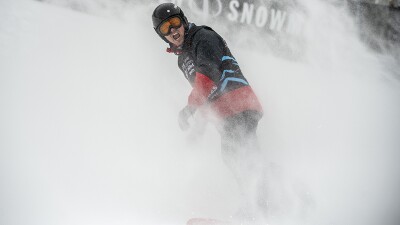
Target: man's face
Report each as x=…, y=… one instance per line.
x=176, y=37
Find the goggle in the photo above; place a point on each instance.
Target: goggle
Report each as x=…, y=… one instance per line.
x=165, y=27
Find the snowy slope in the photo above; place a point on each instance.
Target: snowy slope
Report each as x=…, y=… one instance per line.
x=88, y=131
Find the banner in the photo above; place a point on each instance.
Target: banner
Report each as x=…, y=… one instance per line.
x=281, y=22
x=267, y=16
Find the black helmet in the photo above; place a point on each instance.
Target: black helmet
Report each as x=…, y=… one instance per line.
x=164, y=12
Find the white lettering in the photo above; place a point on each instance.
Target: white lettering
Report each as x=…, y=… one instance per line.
x=205, y=11
x=277, y=19
x=247, y=14
x=219, y=8
x=233, y=5
x=261, y=16
x=197, y=10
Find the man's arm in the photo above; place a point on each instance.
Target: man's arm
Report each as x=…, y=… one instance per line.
x=202, y=88
x=208, y=55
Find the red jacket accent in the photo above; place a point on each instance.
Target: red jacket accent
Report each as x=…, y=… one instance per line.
x=201, y=89
x=236, y=101
x=229, y=104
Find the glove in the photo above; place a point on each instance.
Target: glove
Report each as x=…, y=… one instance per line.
x=184, y=116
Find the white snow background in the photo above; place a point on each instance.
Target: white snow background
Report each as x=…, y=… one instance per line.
x=89, y=134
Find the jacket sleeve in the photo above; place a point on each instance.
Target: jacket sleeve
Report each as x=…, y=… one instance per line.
x=209, y=51
x=208, y=54
x=202, y=88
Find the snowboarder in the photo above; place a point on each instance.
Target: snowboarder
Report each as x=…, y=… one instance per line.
x=218, y=85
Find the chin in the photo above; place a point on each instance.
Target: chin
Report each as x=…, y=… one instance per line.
x=177, y=44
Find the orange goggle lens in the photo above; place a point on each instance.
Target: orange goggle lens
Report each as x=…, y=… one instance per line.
x=165, y=27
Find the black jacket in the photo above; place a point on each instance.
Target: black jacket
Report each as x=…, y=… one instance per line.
x=214, y=73
x=205, y=51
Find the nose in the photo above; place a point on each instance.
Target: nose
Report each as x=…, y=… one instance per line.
x=173, y=30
